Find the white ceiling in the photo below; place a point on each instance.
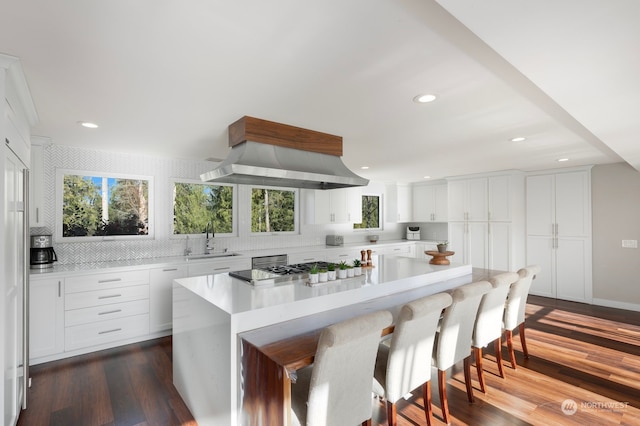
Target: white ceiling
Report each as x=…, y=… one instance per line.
x=166, y=78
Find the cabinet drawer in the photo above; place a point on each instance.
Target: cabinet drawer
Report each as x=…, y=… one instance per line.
x=110, y=296
x=106, y=312
x=82, y=336
x=104, y=281
x=218, y=267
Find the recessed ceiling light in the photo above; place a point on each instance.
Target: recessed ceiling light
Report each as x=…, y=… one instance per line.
x=423, y=99
x=364, y=167
x=427, y=177
x=88, y=125
x=518, y=139
x=561, y=160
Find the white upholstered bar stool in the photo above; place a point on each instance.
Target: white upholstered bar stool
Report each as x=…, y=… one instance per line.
x=336, y=389
x=488, y=326
x=453, y=342
x=405, y=363
x=514, y=311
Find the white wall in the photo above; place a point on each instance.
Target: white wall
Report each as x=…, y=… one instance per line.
x=165, y=244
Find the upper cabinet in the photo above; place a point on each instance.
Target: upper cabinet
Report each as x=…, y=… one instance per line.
x=398, y=203
x=468, y=200
x=430, y=203
x=36, y=180
x=333, y=205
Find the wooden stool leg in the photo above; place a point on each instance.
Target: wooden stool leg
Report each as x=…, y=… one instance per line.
x=391, y=414
x=428, y=412
x=477, y=352
x=525, y=351
x=467, y=377
x=366, y=423
x=497, y=344
x=442, y=390
x=512, y=354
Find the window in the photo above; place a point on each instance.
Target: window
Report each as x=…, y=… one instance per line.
x=370, y=213
x=197, y=205
x=273, y=210
x=95, y=205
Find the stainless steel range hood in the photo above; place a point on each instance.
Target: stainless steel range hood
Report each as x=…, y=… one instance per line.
x=274, y=154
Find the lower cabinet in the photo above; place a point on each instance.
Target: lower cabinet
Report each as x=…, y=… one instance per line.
x=160, y=296
x=482, y=244
x=46, y=317
x=421, y=247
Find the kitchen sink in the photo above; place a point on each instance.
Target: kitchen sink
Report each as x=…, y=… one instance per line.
x=211, y=256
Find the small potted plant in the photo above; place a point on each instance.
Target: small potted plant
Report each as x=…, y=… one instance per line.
x=442, y=246
x=342, y=270
x=323, y=275
x=313, y=274
x=350, y=271
x=357, y=267
x=331, y=271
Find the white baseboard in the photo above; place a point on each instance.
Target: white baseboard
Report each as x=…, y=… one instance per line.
x=617, y=304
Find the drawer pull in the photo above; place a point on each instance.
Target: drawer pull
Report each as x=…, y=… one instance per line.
x=222, y=269
x=110, y=331
x=110, y=312
x=112, y=280
x=110, y=296
x=170, y=270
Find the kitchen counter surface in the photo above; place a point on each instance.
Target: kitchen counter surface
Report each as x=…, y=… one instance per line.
x=78, y=268
x=210, y=312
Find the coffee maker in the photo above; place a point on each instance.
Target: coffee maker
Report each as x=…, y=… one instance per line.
x=42, y=253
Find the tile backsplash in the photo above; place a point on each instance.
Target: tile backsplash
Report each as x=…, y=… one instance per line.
x=163, y=171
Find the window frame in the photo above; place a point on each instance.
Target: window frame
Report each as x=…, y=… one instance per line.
x=234, y=201
x=59, y=194
x=296, y=214
x=380, y=212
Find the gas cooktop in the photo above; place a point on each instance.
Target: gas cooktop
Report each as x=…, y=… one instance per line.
x=271, y=270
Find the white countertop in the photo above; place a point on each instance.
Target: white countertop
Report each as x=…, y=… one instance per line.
x=74, y=268
x=263, y=305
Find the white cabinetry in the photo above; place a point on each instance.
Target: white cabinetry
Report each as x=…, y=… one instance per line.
x=46, y=317
x=347, y=255
x=334, y=206
x=36, y=176
x=219, y=266
x=306, y=257
x=398, y=203
x=104, y=308
x=160, y=296
x=559, y=234
x=486, y=227
x=430, y=202
x=421, y=247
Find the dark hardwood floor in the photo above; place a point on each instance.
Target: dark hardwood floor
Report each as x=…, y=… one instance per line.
x=583, y=353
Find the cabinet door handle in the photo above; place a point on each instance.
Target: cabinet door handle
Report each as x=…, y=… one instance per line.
x=59, y=288
x=115, y=311
x=222, y=269
x=170, y=270
x=111, y=280
x=111, y=296
x=110, y=331
x=37, y=215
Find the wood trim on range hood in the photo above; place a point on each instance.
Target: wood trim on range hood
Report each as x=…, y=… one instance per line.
x=274, y=154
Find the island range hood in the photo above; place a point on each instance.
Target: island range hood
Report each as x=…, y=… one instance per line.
x=274, y=154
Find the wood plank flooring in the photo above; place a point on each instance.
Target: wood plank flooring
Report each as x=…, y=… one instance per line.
x=583, y=353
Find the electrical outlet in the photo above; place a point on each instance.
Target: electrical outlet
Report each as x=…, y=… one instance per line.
x=629, y=243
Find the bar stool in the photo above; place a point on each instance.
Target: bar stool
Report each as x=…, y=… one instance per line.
x=514, y=312
x=336, y=389
x=488, y=326
x=453, y=342
x=405, y=363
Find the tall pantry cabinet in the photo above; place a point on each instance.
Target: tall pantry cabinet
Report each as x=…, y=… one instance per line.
x=17, y=116
x=486, y=220
x=559, y=233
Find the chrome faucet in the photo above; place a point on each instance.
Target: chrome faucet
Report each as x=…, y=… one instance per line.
x=209, y=246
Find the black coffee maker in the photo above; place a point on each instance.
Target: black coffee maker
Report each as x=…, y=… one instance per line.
x=42, y=253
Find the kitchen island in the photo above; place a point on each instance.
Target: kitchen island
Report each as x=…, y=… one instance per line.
x=212, y=313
